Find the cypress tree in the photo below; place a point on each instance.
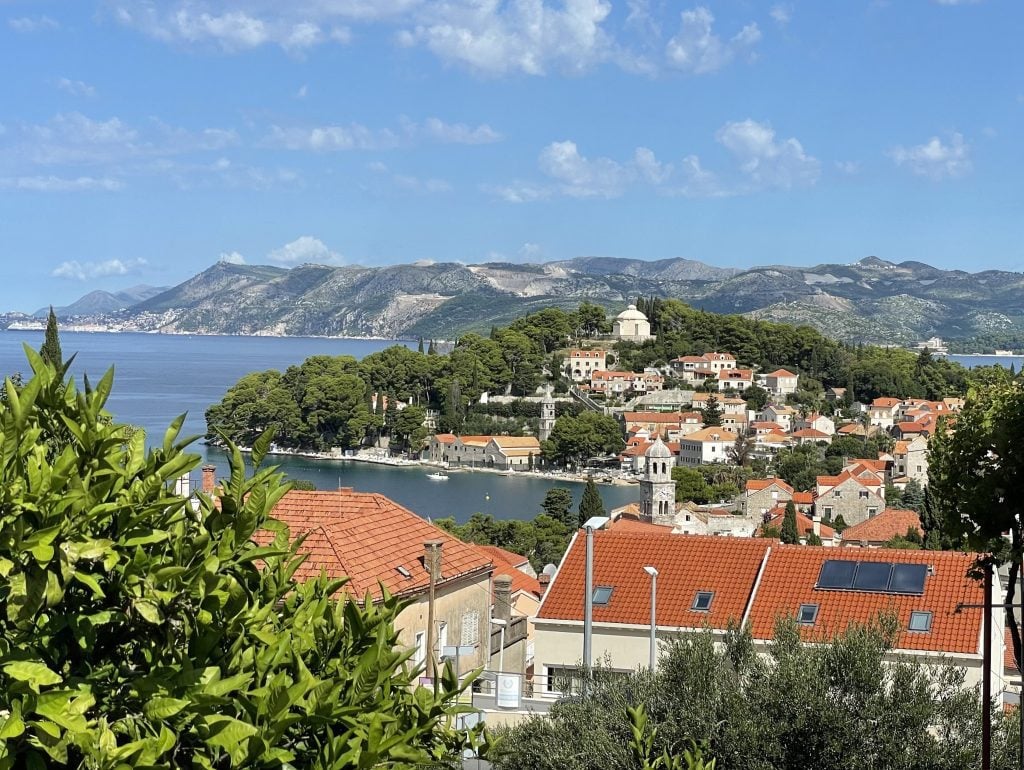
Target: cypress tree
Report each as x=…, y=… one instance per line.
x=419, y=347
x=50, y=351
x=711, y=414
x=790, y=534
x=591, y=503
x=432, y=349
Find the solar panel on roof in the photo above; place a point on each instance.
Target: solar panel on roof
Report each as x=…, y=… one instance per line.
x=908, y=578
x=837, y=574
x=872, y=576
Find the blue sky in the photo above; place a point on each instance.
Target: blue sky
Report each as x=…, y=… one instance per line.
x=143, y=140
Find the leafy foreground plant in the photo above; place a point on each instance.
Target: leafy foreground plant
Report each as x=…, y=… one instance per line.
x=139, y=631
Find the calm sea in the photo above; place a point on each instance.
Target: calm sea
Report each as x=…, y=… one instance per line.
x=972, y=361
x=159, y=376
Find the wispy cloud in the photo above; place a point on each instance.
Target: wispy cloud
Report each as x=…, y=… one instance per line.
x=409, y=182
x=766, y=160
x=231, y=258
x=456, y=133
x=305, y=249
x=27, y=24
x=935, y=159
x=60, y=184
x=84, y=271
x=353, y=136
x=75, y=87
x=781, y=13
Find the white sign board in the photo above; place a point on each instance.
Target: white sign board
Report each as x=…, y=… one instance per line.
x=509, y=690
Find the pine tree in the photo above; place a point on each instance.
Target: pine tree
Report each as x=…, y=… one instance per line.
x=50, y=351
x=591, y=504
x=558, y=505
x=711, y=414
x=790, y=535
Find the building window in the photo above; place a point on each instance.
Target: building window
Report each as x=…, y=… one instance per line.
x=562, y=680
x=837, y=493
x=828, y=512
x=420, y=654
x=872, y=512
x=808, y=614
x=863, y=494
x=702, y=601
x=602, y=595
x=920, y=621
x=470, y=628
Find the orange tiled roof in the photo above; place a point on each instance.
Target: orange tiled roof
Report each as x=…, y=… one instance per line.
x=781, y=373
x=508, y=563
x=885, y=402
x=804, y=523
x=629, y=521
x=516, y=442
x=445, y=438
x=851, y=428
x=885, y=526
x=792, y=571
x=711, y=434
x=366, y=537
x=682, y=561
x=803, y=498
x=1009, y=661
x=810, y=433
x=756, y=485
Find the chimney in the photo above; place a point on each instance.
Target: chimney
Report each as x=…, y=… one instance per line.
x=545, y=580
x=345, y=490
x=209, y=478
x=816, y=523
x=431, y=554
x=503, y=597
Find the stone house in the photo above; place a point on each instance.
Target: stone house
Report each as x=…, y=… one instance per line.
x=854, y=498
x=910, y=461
x=581, y=364
x=735, y=379
x=761, y=495
x=883, y=412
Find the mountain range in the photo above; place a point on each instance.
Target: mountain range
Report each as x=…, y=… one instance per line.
x=868, y=301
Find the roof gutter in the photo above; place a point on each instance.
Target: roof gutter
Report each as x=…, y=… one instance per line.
x=753, y=591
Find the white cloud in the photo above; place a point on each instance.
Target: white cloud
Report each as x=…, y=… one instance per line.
x=302, y=92
x=84, y=271
x=32, y=23
x=581, y=177
x=459, y=133
x=698, y=50
x=649, y=167
x=75, y=87
x=409, y=182
x=935, y=159
x=519, y=192
x=521, y=36
x=231, y=258
x=697, y=181
x=781, y=13
x=766, y=161
x=60, y=184
x=303, y=250
x=850, y=167
x=331, y=138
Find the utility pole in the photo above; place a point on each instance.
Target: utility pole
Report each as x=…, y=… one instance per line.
x=433, y=565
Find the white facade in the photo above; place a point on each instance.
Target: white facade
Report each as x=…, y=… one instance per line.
x=632, y=325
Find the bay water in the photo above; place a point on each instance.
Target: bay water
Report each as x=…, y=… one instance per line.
x=159, y=376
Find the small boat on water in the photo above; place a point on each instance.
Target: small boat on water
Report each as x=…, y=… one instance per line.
x=438, y=475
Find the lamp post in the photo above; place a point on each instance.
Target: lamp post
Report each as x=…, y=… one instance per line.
x=653, y=572
x=501, y=642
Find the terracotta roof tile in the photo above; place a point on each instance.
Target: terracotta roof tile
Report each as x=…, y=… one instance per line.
x=682, y=561
x=1009, y=661
x=756, y=485
x=885, y=526
x=508, y=563
x=804, y=523
x=803, y=498
x=366, y=537
x=792, y=571
x=781, y=373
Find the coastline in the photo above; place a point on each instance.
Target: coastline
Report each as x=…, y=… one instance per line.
x=372, y=458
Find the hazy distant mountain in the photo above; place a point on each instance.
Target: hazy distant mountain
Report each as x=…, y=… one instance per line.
x=103, y=302
x=871, y=300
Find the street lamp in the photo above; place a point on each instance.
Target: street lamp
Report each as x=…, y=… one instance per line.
x=501, y=642
x=654, y=614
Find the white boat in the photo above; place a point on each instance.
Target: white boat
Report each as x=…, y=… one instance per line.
x=1004, y=352
x=438, y=476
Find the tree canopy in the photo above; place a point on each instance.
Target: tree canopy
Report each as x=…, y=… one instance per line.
x=140, y=628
